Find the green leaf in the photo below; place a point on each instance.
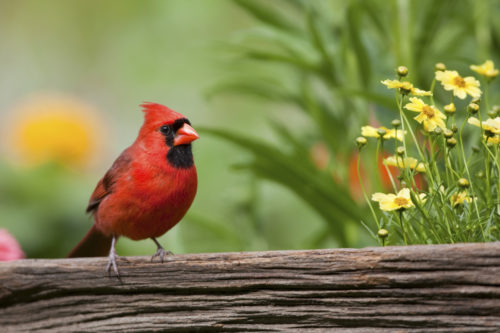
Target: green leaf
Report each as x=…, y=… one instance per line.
x=361, y=52
x=299, y=63
x=268, y=89
x=267, y=15
x=294, y=45
x=313, y=20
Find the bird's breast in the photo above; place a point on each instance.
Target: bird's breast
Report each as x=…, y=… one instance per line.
x=149, y=201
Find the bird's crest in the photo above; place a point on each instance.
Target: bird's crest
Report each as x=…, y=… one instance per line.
x=154, y=112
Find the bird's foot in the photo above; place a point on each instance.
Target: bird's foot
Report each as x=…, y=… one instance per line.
x=160, y=252
x=112, y=260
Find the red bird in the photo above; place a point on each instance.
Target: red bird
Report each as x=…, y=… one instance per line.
x=147, y=190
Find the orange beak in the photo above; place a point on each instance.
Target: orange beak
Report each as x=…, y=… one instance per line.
x=186, y=134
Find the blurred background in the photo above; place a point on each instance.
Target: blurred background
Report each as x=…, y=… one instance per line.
x=278, y=91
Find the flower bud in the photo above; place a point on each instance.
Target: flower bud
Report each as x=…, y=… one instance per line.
x=450, y=109
x=476, y=100
x=403, y=184
x=495, y=110
x=402, y=71
x=400, y=150
x=361, y=142
x=480, y=174
x=420, y=167
x=381, y=132
x=396, y=123
x=454, y=128
x=447, y=133
x=473, y=108
x=383, y=233
x=439, y=67
x=463, y=183
x=451, y=142
x=438, y=130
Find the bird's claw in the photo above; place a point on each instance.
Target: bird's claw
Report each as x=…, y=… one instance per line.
x=112, y=263
x=161, y=253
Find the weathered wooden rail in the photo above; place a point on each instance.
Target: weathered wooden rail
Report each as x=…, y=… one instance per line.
x=406, y=289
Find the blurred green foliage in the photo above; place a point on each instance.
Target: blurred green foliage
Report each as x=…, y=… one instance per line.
x=314, y=66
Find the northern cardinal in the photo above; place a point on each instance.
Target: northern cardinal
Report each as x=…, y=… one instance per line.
x=147, y=190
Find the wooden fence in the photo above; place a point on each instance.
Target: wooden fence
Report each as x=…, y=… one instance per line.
x=405, y=289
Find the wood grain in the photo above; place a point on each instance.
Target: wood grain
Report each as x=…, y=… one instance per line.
x=437, y=288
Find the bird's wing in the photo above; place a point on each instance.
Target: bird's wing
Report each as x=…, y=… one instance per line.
x=105, y=185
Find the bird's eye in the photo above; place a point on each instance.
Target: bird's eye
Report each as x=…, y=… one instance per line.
x=165, y=129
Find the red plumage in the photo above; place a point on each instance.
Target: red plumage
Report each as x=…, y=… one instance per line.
x=149, y=187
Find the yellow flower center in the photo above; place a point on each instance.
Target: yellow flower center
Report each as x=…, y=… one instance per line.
x=459, y=81
x=428, y=111
x=401, y=201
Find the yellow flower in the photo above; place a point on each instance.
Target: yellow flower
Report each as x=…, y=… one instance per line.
x=486, y=69
x=420, y=92
x=451, y=80
x=491, y=125
x=460, y=198
x=400, y=201
x=373, y=132
x=429, y=115
x=491, y=140
x=54, y=128
x=400, y=162
x=406, y=87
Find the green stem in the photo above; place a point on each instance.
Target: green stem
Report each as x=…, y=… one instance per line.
x=433, y=84
x=401, y=223
x=364, y=191
x=486, y=164
x=468, y=172
x=486, y=95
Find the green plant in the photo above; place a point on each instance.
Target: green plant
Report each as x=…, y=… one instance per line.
x=323, y=58
x=458, y=197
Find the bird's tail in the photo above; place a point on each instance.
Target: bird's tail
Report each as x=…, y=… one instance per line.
x=94, y=244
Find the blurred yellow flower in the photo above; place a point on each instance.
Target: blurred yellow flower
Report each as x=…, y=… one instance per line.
x=396, y=84
x=486, y=69
x=429, y=116
x=460, y=198
x=406, y=87
x=400, y=162
x=373, y=132
x=492, y=140
x=400, y=201
x=54, y=128
x=491, y=125
x=451, y=80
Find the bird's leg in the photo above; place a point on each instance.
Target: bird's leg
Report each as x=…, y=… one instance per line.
x=112, y=258
x=160, y=252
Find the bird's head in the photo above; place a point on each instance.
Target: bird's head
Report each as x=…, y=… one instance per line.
x=167, y=131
